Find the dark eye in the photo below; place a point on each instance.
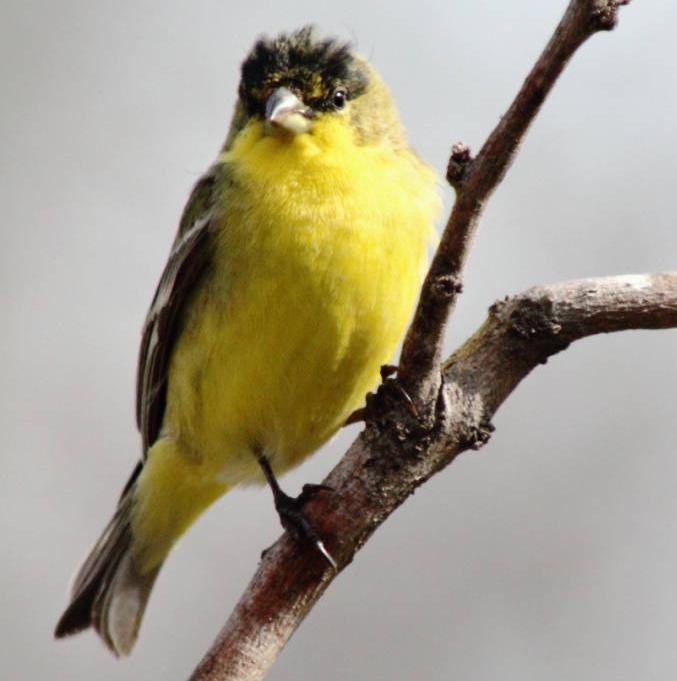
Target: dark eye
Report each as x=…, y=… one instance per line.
x=339, y=98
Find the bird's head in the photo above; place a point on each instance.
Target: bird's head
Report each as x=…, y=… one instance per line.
x=296, y=81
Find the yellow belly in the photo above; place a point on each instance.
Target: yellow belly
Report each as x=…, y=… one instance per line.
x=319, y=259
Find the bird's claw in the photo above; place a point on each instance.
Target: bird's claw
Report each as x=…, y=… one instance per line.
x=388, y=391
x=295, y=521
x=388, y=370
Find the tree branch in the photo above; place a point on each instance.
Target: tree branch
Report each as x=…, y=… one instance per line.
x=397, y=452
x=474, y=181
x=522, y=332
x=390, y=459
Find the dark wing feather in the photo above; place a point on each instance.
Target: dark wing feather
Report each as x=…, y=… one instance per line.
x=187, y=262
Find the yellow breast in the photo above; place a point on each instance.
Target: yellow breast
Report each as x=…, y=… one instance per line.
x=319, y=256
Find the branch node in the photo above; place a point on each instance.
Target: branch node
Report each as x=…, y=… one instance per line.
x=458, y=165
x=532, y=318
x=497, y=307
x=604, y=14
x=479, y=435
x=446, y=285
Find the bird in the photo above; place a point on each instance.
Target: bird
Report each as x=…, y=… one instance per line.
x=290, y=282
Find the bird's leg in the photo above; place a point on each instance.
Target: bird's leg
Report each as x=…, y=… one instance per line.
x=290, y=510
x=376, y=403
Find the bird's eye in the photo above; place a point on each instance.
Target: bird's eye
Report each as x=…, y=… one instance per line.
x=339, y=98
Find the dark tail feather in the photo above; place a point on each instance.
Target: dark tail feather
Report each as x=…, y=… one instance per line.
x=109, y=593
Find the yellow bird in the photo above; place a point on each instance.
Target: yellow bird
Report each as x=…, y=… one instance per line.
x=290, y=282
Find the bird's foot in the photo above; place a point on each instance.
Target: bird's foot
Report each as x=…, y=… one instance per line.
x=295, y=521
x=290, y=510
x=377, y=404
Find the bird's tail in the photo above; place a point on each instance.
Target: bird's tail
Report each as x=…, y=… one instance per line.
x=110, y=593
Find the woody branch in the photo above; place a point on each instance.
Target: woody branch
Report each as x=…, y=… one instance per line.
x=456, y=400
x=389, y=460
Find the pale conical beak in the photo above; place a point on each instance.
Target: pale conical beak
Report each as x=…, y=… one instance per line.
x=285, y=111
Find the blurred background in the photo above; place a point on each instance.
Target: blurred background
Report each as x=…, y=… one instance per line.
x=549, y=554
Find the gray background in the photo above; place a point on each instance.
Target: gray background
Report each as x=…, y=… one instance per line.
x=550, y=554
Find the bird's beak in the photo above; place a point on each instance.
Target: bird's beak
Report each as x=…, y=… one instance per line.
x=285, y=111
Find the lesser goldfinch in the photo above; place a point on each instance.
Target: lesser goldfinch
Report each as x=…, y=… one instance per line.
x=295, y=269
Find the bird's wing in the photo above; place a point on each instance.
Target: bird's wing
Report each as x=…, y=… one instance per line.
x=187, y=262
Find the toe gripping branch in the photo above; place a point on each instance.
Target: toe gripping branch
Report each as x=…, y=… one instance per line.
x=377, y=404
x=290, y=510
